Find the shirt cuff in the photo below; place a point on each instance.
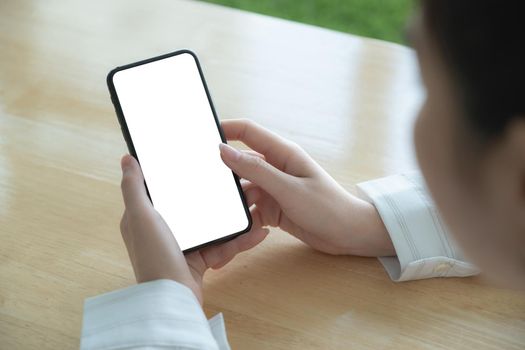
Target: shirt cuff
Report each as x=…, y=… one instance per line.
x=151, y=315
x=423, y=245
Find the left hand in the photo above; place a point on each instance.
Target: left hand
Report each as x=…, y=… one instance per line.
x=153, y=249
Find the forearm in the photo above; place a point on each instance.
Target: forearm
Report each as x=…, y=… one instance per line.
x=423, y=246
x=363, y=230
x=155, y=315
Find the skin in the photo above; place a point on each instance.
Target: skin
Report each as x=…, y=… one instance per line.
x=479, y=189
x=284, y=187
x=477, y=185
x=294, y=193
x=152, y=248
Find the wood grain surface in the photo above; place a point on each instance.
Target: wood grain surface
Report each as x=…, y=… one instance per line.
x=349, y=101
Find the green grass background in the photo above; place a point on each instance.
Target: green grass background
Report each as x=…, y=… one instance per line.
x=380, y=19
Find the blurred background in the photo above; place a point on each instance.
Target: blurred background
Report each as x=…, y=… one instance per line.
x=380, y=19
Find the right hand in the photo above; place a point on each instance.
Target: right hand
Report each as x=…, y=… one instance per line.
x=291, y=191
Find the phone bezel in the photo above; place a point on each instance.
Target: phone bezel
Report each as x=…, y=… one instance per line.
x=131, y=146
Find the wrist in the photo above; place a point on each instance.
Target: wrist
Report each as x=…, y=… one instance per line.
x=365, y=232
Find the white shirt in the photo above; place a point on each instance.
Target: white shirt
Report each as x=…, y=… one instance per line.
x=165, y=314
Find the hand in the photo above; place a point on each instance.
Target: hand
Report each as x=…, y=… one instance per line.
x=291, y=191
x=152, y=248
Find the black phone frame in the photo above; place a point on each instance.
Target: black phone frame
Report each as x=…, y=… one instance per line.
x=131, y=146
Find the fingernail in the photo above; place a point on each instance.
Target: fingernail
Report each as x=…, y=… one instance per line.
x=125, y=164
x=229, y=152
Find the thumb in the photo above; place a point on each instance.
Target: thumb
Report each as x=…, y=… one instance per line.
x=257, y=170
x=132, y=185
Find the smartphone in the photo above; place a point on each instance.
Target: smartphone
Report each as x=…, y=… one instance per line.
x=170, y=126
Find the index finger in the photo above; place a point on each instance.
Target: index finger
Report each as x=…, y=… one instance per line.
x=277, y=150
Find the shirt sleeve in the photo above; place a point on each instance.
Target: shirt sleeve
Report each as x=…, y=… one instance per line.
x=161, y=314
x=422, y=242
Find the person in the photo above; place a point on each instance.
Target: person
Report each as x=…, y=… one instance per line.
x=470, y=144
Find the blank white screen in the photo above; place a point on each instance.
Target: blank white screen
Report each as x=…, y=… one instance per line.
x=177, y=143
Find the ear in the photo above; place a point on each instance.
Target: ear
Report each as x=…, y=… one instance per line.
x=514, y=140
x=500, y=240
x=503, y=178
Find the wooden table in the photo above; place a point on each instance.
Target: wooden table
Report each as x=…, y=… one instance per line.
x=349, y=101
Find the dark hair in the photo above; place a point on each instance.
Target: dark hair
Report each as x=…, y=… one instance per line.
x=483, y=43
